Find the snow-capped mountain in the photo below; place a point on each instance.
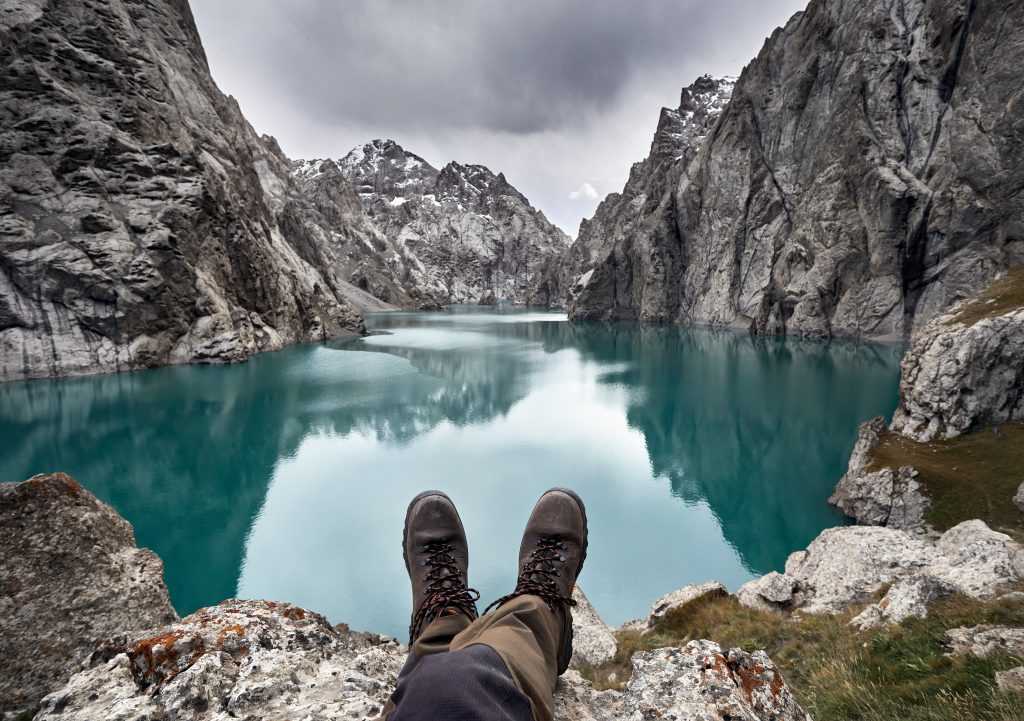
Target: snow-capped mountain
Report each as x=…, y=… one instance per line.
x=457, y=235
x=621, y=216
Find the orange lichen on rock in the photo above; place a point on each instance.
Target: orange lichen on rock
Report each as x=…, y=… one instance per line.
x=155, y=652
x=294, y=613
x=230, y=628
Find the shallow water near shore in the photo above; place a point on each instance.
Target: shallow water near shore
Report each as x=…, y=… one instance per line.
x=701, y=454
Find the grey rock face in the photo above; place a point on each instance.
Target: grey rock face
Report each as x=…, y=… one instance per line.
x=703, y=682
x=643, y=211
x=863, y=177
x=985, y=640
x=885, y=497
x=847, y=565
x=957, y=376
x=70, y=577
x=457, y=235
x=905, y=599
x=142, y=219
x=1011, y=680
x=593, y=641
x=241, y=659
x=258, y=659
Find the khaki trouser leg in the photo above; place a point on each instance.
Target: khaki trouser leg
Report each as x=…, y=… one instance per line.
x=525, y=633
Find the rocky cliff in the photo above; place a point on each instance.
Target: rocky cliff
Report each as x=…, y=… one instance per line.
x=963, y=371
x=865, y=174
x=142, y=219
x=70, y=576
x=457, y=235
x=643, y=211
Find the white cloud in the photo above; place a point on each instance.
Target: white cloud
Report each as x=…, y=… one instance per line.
x=585, y=192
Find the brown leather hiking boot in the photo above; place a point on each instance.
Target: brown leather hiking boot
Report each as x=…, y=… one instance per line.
x=551, y=556
x=437, y=559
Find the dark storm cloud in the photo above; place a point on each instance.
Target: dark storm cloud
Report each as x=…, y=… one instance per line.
x=521, y=67
x=560, y=95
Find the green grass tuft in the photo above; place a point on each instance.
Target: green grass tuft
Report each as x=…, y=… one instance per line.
x=999, y=298
x=839, y=672
x=971, y=476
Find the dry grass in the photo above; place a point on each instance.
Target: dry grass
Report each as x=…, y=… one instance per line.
x=972, y=476
x=997, y=299
x=839, y=672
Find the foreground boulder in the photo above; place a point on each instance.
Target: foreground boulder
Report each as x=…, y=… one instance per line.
x=965, y=369
x=262, y=660
x=849, y=565
x=70, y=577
x=593, y=641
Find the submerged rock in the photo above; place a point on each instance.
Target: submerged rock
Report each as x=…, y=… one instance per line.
x=1018, y=499
x=70, y=576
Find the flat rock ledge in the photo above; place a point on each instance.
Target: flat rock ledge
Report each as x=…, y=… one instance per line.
x=70, y=576
x=260, y=659
x=850, y=565
x=675, y=599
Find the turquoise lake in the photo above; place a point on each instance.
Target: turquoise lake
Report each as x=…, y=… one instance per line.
x=701, y=454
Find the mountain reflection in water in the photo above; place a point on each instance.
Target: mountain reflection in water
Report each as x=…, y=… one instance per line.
x=701, y=453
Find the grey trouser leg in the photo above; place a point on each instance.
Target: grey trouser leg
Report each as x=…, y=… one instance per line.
x=501, y=666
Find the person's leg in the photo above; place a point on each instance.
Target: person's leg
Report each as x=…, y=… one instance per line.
x=532, y=627
x=436, y=555
x=503, y=666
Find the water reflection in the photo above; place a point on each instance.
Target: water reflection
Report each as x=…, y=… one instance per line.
x=287, y=476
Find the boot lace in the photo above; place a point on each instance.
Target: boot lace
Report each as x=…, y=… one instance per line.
x=447, y=591
x=538, y=575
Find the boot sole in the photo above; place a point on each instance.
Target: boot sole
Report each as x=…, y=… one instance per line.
x=408, y=512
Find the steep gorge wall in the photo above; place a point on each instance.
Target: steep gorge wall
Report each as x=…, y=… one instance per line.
x=865, y=175
x=142, y=219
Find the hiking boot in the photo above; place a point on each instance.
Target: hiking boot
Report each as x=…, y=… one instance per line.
x=551, y=557
x=437, y=558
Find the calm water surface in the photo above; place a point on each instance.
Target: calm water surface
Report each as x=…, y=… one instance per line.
x=700, y=454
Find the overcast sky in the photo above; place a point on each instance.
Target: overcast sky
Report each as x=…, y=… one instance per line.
x=560, y=95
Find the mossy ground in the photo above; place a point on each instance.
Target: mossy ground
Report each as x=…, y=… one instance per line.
x=839, y=672
x=1000, y=297
x=972, y=476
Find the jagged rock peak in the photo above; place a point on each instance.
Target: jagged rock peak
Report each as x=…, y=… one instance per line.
x=644, y=208
x=384, y=167
x=456, y=235
x=700, y=104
